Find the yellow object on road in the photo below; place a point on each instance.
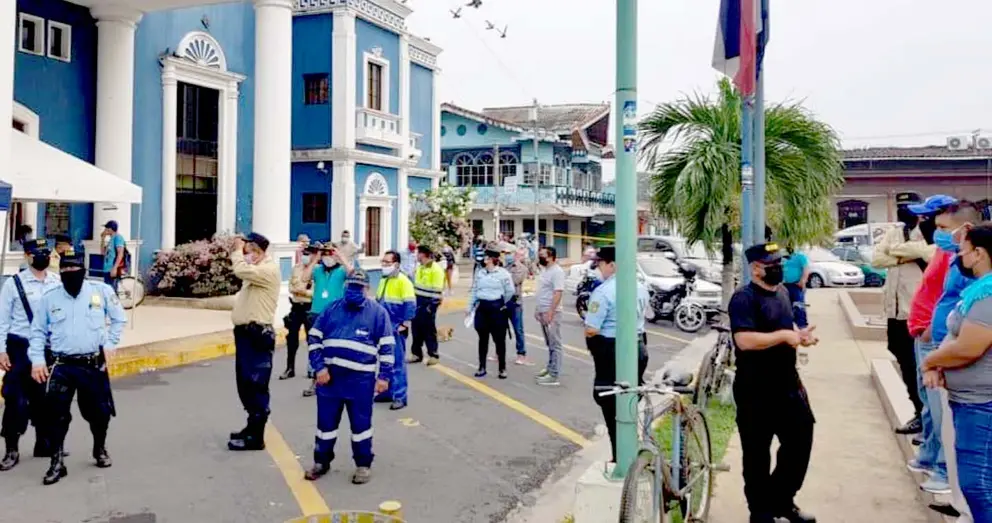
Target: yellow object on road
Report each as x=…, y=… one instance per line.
x=348, y=516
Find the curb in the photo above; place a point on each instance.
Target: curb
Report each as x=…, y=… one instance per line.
x=892, y=394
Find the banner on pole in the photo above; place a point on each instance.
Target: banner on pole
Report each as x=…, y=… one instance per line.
x=747, y=176
x=630, y=126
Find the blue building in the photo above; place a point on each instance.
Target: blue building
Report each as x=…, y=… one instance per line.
x=191, y=117
x=532, y=160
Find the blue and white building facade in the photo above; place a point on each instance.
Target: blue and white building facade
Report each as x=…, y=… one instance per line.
x=183, y=118
x=530, y=160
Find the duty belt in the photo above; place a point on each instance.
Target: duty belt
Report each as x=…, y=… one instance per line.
x=92, y=358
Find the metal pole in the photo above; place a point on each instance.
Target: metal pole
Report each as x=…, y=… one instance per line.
x=626, y=232
x=759, y=160
x=536, y=185
x=747, y=180
x=498, y=182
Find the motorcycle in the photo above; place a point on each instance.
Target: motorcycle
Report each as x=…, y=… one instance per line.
x=582, y=293
x=673, y=304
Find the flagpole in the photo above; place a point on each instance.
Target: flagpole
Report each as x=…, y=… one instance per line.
x=747, y=179
x=759, y=161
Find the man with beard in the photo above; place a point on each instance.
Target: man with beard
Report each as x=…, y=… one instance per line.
x=74, y=317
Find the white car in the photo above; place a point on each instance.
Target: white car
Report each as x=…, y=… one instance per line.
x=828, y=270
x=663, y=273
x=708, y=267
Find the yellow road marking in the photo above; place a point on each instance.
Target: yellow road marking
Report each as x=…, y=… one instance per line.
x=306, y=494
x=408, y=422
x=534, y=415
x=565, y=345
x=669, y=336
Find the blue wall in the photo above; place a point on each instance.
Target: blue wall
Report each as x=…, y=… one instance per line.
x=367, y=37
x=450, y=137
x=545, y=149
x=233, y=26
x=362, y=172
x=63, y=95
x=417, y=185
x=311, y=55
x=421, y=110
x=306, y=179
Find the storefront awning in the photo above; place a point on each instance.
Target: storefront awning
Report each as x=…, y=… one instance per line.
x=44, y=173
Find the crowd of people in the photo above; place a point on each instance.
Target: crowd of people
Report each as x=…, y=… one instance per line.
x=938, y=303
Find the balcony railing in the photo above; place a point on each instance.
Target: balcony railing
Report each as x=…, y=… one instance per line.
x=377, y=128
x=415, y=149
x=566, y=196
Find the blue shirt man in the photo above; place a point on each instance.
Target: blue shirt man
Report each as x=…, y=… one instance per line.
x=74, y=318
x=113, y=254
x=14, y=319
x=602, y=314
x=351, y=348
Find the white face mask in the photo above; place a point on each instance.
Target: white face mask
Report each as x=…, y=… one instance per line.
x=328, y=261
x=388, y=270
x=305, y=260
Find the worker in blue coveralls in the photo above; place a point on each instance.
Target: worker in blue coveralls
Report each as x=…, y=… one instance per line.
x=74, y=317
x=351, y=349
x=396, y=295
x=19, y=298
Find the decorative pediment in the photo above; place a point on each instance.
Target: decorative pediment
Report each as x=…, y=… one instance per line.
x=375, y=185
x=203, y=50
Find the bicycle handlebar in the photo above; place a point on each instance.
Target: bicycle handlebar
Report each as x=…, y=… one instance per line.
x=625, y=388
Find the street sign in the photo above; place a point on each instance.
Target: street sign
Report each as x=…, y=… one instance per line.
x=510, y=184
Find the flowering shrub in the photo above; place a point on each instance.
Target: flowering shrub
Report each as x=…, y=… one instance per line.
x=441, y=215
x=201, y=269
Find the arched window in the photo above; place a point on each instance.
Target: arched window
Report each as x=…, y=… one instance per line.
x=508, y=163
x=376, y=215
x=474, y=170
x=563, y=168
x=463, y=168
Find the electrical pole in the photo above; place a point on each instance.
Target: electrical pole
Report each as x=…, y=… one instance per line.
x=626, y=232
x=497, y=178
x=537, y=177
x=759, y=161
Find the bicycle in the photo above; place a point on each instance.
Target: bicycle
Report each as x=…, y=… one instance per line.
x=716, y=371
x=678, y=490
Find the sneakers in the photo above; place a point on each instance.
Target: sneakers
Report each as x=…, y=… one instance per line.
x=913, y=426
x=481, y=373
x=317, y=471
x=914, y=465
x=936, y=486
x=361, y=476
x=287, y=374
x=548, y=381
x=522, y=360
x=543, y=373
x=433, y=360
x=10, y=460
x=414, y=359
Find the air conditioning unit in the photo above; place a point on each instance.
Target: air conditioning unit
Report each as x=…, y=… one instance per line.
x=983, y=142
x=958, y=143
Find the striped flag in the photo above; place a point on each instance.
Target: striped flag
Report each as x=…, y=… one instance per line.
x=736, y=52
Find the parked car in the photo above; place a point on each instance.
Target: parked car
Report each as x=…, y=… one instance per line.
x=864, y=235
x=828, y=270
x=707, y=266
x=855, y=255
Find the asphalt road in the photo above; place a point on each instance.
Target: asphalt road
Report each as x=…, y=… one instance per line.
x=465, y=450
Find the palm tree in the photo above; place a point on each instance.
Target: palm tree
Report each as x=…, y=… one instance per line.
x=692, y=148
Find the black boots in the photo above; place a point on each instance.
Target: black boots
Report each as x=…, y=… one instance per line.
x=10, y=460
x=317, y=471
x=56, y=470
x=102, y=457
x=289, y=373
x=251, y=438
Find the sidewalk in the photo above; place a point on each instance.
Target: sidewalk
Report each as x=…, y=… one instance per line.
x=857, y=473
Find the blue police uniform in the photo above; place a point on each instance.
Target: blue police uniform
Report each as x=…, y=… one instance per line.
x=77, y=328
x=22, y=395
x=491, y=290
x=355, y=344
x=602, y=316
x=397, y=296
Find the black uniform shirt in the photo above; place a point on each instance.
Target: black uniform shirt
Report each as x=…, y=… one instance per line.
x=755, y=309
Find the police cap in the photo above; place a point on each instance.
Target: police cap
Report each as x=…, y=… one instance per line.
x=36, y=246
x=71, y=259
x=62, y=238
x=357, y=277
x=606, y=254
x=492, y=253
x=763, y=253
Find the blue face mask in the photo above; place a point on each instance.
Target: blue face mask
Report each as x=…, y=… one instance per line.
x=354, y=295
x=944, y=240
x=508, y=260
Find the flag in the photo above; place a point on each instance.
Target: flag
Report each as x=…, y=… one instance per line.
x=735, y=53
x=763, y=33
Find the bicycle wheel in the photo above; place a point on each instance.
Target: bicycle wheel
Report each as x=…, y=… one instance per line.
x=130, y=292
x=704, y=380
x=637, y=500
x=696, y=472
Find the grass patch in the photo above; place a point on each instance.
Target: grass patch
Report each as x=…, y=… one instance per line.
x=721, y=419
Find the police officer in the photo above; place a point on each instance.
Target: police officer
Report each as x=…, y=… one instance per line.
x=254, y=337
x=396, y=295
x=20, y=297
x=428, y=285
x=73, y=317
x=601, y=338
x=351, y=346
x=771, y=400
x=492, y=289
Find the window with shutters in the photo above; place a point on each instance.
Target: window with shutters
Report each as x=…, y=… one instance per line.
x=316, y=89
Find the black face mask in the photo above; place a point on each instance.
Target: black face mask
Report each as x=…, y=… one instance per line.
x=773, y=275
x=965, y=271
x=927, y=228
x=39, y=262
x=543, y=261
x=73, y=281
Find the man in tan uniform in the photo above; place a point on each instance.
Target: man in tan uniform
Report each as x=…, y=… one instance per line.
x=254, y=337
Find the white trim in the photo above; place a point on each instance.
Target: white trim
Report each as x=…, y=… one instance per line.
x=435, y=125
x=375, y=57
x=343, y=75
x=39, y=33
x=32, y=128
x=404, y=106
x=188, y=71
x=338, y=154
x=66, y=41
x=373, y=197
x=343, y=193
x=203, y=50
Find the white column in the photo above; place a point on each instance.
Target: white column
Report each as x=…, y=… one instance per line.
x=227, y=184
x=169, y=144
x=343, y=79
x=343, y=195
x=402, y=208
x=8, y=21
x=436, y=125
x=273, y=94
x=114, y=106
x=405, y=95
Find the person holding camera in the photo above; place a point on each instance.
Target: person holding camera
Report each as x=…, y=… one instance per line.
x=300, y=296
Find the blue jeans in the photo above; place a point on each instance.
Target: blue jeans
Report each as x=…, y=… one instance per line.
x=797, y=295
x=931, y=453
x=973, y=441
x=517, y=320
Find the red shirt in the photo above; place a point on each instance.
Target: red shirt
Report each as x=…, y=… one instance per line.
x=929, y=291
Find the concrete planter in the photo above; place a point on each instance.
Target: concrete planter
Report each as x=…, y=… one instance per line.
x=863, y=311
x=220, y=303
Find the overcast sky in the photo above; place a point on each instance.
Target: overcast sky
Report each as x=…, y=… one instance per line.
x=881, y=72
